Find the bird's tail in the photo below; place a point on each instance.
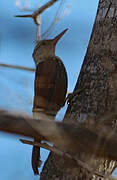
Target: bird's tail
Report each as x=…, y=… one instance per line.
x=36, y=161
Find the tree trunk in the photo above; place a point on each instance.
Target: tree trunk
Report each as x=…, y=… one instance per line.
x=99, y=95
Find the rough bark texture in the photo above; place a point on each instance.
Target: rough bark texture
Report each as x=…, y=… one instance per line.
x=100, y=94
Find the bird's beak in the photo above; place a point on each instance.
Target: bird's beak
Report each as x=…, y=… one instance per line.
x=56, y=39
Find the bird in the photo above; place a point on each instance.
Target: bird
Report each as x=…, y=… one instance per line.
x=50, y=86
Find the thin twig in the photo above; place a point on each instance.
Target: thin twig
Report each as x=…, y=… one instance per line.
x=17, y=67
x=61, y=153
x=43, y=145
x=45, y=34
x=39, y=11
x=55, y=150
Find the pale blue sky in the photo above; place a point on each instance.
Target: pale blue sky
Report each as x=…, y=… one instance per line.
x=17, y=40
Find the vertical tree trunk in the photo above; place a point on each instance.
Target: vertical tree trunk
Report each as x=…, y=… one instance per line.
x=100, y=94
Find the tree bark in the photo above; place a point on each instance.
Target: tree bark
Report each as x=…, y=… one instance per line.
x=98, y=79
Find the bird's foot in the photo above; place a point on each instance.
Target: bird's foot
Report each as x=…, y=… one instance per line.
x=70, y=96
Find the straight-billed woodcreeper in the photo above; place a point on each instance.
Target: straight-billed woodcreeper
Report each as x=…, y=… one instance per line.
x=50, y=86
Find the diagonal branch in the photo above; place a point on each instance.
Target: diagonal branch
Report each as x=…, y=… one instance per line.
x=67, y=137
x=43, y=145
x=61, y=153
x=39, y=11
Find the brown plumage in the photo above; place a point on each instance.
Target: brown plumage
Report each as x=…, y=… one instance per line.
x=50, y=85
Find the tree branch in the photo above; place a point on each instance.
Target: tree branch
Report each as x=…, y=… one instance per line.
x=43, y=145
x=17, y=67
x=61, y=153
x=66, y=137
x=39, y=11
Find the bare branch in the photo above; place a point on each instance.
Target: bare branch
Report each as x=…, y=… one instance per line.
x=39, y=11
x=55, y=20
x=17, y=67
x=43, y=145
x=66, y=137
x=57, y=151
x=61, y=153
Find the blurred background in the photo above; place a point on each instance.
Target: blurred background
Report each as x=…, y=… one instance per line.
x=17, y=41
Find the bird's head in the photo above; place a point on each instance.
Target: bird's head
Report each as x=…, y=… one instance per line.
x=45, y=49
